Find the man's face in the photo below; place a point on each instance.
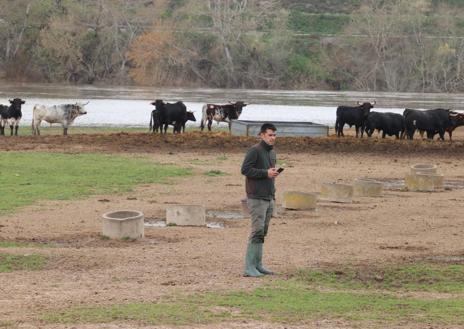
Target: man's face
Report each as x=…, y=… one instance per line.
x=269, y=136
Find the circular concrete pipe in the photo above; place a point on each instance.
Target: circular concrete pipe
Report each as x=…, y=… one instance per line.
x=427, y=168
x=299, y=200
x=123, y=224
x=364, y=187
x=423, y=182
x=186, y=215
x=337, y=192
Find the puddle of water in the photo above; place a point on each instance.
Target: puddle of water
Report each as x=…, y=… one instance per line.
x=159, y=223
x=225, y=214
x=215, y=225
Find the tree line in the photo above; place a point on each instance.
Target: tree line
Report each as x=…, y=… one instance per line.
x=381, y=45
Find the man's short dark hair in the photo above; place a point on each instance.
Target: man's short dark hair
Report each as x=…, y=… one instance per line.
x=267, y=126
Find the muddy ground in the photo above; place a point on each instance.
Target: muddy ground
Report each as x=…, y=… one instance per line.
x=86, y=270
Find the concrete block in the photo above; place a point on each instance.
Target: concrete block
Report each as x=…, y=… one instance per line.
x=123, y=224
x=423, y=182
x=337, y=192
x=364, y=187
x=186, y=215
x=299, y=200
x=427, y=168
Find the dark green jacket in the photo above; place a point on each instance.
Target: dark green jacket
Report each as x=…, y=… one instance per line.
x=258, y=160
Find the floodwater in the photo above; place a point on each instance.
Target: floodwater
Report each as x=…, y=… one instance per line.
x=130, y=106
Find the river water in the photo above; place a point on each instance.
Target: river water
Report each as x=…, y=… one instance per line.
x=130, y=106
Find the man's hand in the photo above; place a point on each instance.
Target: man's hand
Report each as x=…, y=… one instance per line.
x=272, y=172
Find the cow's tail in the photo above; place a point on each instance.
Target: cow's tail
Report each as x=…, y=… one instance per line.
x=151, y=123
x=203, y=117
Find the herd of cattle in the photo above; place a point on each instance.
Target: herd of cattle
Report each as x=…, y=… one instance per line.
x=432, y=122
x=176, y=114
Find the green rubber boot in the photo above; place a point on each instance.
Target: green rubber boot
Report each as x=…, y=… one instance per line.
x=259, y=261
x=250, y=260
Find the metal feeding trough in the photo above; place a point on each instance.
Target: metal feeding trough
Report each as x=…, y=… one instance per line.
x=424, y=178
x=123, y=224
x=337, y=192
x=284, y=128
x=299, y=200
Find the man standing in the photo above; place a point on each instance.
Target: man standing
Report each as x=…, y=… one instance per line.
x=259, y=169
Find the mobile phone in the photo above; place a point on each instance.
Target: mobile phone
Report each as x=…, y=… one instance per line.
x=280, y=170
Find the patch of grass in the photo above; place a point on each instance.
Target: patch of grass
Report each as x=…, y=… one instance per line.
x=6, y=324
x=13, y=244
x=413, y=277
x=45, y=129
x=222, y=157
x=215, y=173
x=10, y=263
x=292, y=301
x=28, y=177
x=199, y=161
x=317, y=23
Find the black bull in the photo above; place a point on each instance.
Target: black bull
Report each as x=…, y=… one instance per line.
x=391, y=124
x=431, y=121
x=352, y=115
x=165, y=114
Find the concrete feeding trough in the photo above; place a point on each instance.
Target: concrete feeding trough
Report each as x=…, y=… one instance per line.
x=123, y=224
x=424, y=182
x=284, y=128
x=337, y=192
x=299, y=200
x=423, y=177
x=364, y=187
x=186, y=215
x=427, y=168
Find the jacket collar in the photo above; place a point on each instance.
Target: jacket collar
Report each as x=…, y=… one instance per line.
x=266, y=146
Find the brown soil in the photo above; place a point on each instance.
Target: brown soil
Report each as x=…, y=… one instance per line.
x=85, y=269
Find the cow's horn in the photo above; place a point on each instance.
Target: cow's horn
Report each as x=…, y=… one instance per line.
x=374, y=102
x=358, y=102
x=86, y=103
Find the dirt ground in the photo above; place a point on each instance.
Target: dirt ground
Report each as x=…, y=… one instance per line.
x=86, y=270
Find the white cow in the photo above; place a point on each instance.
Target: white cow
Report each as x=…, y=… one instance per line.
x=64, y=114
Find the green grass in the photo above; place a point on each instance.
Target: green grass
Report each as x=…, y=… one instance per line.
x=57, y=130
x=296, y=300
x=28, y=177
x=317, y=23
x=6, y=324
x=14, y=244
x=215, y=173
x=10, y=263
x=415, y=277
x=73, y=130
